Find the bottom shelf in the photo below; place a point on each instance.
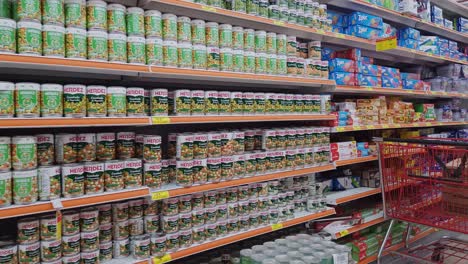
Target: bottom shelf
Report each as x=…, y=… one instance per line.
x=233, y=238
x=398, y=246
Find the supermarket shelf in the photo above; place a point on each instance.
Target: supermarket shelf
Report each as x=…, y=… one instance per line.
x=337, y=198
x=398, y=246
x=355, y=161
x=163, y=193
x=360, y=227
x=389, y=126
x=451, y=6
x=44, y=66
x=72, y=122
x=401, y=92
x=397, y=18
x=299, y=219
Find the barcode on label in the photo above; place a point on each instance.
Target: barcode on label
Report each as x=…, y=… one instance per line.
x=341, y=258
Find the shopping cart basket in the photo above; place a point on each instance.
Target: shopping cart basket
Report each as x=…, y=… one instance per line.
x=425, y=181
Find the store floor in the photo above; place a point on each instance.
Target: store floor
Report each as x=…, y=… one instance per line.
x=394, y=259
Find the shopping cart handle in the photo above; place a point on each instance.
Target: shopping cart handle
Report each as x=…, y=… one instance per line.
x=434, y=141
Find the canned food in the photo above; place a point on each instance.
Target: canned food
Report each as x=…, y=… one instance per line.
x=105, y=146
x=114, y=175
x=151, y=148
x=184, y=55
x=91, y=257
x=214, y=170
x=135, y=21
x=120, y=230
x=8, y=31
x=147, y=101
x=150, y=207
x=159, y=102
x=51, y=100
x=125, y=145
x=74, y=100
x=151, y=224
x=70, y=223
x=6, y=192
x=51, y=250
x=72, y=180
x=96, y=103
x=75, y=13
x=211, y=231
x=211, y=103
x=184, y=175
x=212, y=58
x=169, y=24
x=152, y=175
x=116, y=18
x=97, y=45
x=135, y=208
x=7, y=96
x=29, y=253
x=45, y=149
x=154, y=51
x=89, y=219
x=120, y=211
x=135, y=101
x=75, y=259
x=185, y=238
x=185, y=221
x=116, y=101
x=105, y=251
x=85, y=147
x=117, y=44
x=136, y=48
x=248, y=100
x=25, y=189
x=49, y=182
x=65, y=148
x=71, y=245
x=105, y=233
x=27, y=99
x=170, y=224
x=170, y=206
x=198, y=31
x=153, y=23
x=140, y=247
x=158, y=245
x=199, y=56
x=197, y=102
x=29, y=36
x=53, y=41
x=170, y=53
x=210, y=215
x=212, y=34
x=135, y=226
x=225, y=36
x=28, y=231
x=172, y=242
x=121, y=248
x=96, y=11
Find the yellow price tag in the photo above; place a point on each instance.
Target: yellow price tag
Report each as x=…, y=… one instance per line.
x=370, y=127
x=159, y=195
x=340, y=35
x=396, y=125
x=164, y=259
x=344, y=233
x=357, y=127
x=429, y=124
x=160, y=120
x=275, y=227
x=340, y=129
x=369, y=89
x=278, y=23
x=209, y=8
x=385, y=126
x=386, y=44
x=58, y=216
x=320, y=31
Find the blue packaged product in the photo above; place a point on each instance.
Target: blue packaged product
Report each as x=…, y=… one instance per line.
x=462, y=24
x=444, y=53
x=343, y=183
x=436, y=13
x=362, y=145
x=369, y=81
x=367, y=60
x=390, y=72
x=326, y=53
x=453, y=45
x=342, y=123
x=388, y=31
x=390, y=82
x=429, y=41
x=430, y=49
x=448, y=23
x=342, y=65
x=408, y=43
x=409, y=84
x=343, y=115
x=369, y=69
x=344, y=78
x=363, y=32
x=338, y=29
x=363, y=152
x=337, y=18
x=455, y=55
x=364, y=19
x=443, y=43
x=409, y=33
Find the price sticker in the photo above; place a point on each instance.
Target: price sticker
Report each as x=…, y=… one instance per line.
x=209, y=9
x=278, y=23
x=160, y=120
x=357, y=127
x=340, y=129
x=275, y=227
x=164, y=259
x=340, y=35
x=428, y=124
x=369, y=89
x=386, y=44
x=320, y=31
x=58, y=216
x=397, y=125
x=155, y=196
x=344, y=233
x=370, y=127
x=57, y=204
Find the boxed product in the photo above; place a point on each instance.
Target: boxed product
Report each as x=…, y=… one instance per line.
x=429, y=41
x=326, y=53
x=430, y=49
x=453, y=45
x=411, y=84
x=338, y=29
x=437, y=15
x=408, y=43
x=424, y=10
x=408, y=75
x=342, y=65
x=448, y=23
x=350, y=54
x=409, y=7
x=364, y=19
x=343, y=150
x=390, y=72
x=390, y=82
x=462, y=24
x=409, y=33
x=363, y=32
x=444, y=43
x=427, y=110
x=369, y=69
x=368, y=80
x=344, y=78
x=367, y=60
x=388, y=31
x=338, y=19
x=345, y=183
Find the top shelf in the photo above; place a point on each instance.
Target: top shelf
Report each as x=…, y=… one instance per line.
x=452, y=7
x=396, y=17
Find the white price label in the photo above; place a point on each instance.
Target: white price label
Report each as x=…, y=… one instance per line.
x=341, y=258
x=57, y=204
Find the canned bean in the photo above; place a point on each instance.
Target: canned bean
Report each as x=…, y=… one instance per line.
x=116, y=101
x=151, y=148
x=116, y=18
x=152, y=175
x=151, y=224
x=238, y=60
x=120, y=211
x=212, y=34
x=105, y=213
x=185, y=238
x=25, y=189
x=120, y=230
x=197, y=102
x=213, y=58
x=211, y=103
x=146, y=102
x=260, y=63
x=170, y=53
x=65, y=148
x=71, y=245
x=158, y=245
x=185, y=221
x=49, y=183
x=70, y=223
x=210, y=215
x=117, y=44
x=169, y=23
x=75, y=13
x=154, y=51
x=29, y=253
x=170, y=224
x=97, y=45
x=181, y=102
x=248, y=100
x=199, y=57
x=105, y=146
x=252, y=7
x=72, y=180
x=198, y=31
x=249, y=61
x=105, y=251
x=214, y=145
x=29, y=38
x=184, y=147
x=225, y=59
x=135, y=21
x=96, y=104
x=259, y=103
x=184, y=33
x=114, y=175
x=225, y=36
x=271, y=64
x=213, y=169
x=75, y=40
x=28, y=231
x=121, y=248
x=89, y=241
x=135, y=208
x=125, y=145
x=6, y=192
x=75, y=259
x=90, y=257
x=135, y=101
x=281, y=64
x=96, y=11
x=27, y=99
x=53, y=43
x=74, y=100
x=224, y=99
x=51, y=100
x=140, y=246
x=153, y=23
x=184, y=175
x=89, y=219
x=239, y=166
x=135, y=226
x=45, y=150
x=7, y=97
x=136, y=48
x=105, y=233
x=8, y=31
x=85, y=147
x=198, y=201
x=159, y=102
x=236, y=103
x=227, y=168
x=170, y=206
x=172, y=242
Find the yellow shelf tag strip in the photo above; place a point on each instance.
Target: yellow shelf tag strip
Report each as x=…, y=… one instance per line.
x=320, y=31
x=278, y=23
x=155, y=196
x=160, y=120
x=340, y=129
x=385, y=126
x=209, y=9
x=370, y=127
x=344, y=233
x=275, y=227
x=164, y=259
x=386, y=44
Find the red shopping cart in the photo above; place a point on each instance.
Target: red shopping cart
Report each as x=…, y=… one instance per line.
x=425, y=181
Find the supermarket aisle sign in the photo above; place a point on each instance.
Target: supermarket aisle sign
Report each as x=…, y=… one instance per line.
x=386, y=44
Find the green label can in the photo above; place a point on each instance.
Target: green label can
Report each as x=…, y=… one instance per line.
x=8, y=33
x=212, y=58
x=300, y=65
x=238, y=38
x=225, y=59
x=135, y=21
x=154, y=51
x=136, y=47
x=211, y=103
x=153, y=23
x=75, y=13
x=271, y=103
x=159, y=102
x=274, y=12
x=259, y=103
x=75, y=40
x=263, y=8
x=182, y=102
x=170, y=53
x=27, y=10
x=225, y=36
x=281, y=61
x=96, y=104
x=29, y=38
x=248, y=102
x=7, y=103
x=224, y=99
x=5, y=8
x=116, y=101
x=292, y=16
x=249, y=62
x=116, y=18
x=283, y=13
x=212, y=34
x=271, y=43
x=73, y=178
x=169, y=23
x=5, y=154
x=135, y=101
x=97, y=45
x=249, y=39
x=252, y=7
x=238, y=60
x=5, y=189
x=260, y=63
x=27, y=99
x=291, y=47
x=53, y=44
x=281, y=44
x=184, y=55
x=51, y=100
x=53, y=12
x=239, y=5
x=199, y=57
x=74, y=100
x=291, y=65
x=237, y=104
x=117, y=44
x=300, y=18
x=24, y=152
x=272, y=64
x=184, y=29
x=198, y=31
x=25, y=187
x=96, y=14
x=198, y=107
